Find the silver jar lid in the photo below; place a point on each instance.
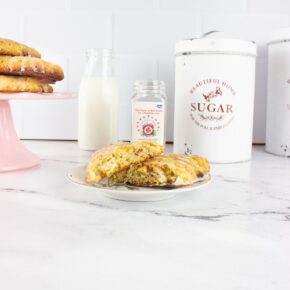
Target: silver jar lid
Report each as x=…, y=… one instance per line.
x=214, y=43
x=279, y=35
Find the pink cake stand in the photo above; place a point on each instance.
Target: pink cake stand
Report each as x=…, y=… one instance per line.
x=13, y=154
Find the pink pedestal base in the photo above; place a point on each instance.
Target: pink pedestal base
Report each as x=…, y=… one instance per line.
x=13, y=154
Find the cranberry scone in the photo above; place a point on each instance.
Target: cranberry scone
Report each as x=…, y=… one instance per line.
x=117, y=157
x=14, y=48
x=164, y=170
x=13, y=84
x=30, y=67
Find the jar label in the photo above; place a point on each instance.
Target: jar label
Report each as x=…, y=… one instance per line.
x=212, y=104
x=148, y=121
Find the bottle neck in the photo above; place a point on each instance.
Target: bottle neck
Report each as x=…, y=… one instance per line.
x=100, y=63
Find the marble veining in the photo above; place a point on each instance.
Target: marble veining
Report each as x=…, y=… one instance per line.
x=232, y=234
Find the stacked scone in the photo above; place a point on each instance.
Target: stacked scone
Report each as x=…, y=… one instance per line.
x=144, y=164
x=23, y=70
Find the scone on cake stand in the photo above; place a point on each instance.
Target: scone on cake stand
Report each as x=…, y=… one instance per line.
x=23, y=75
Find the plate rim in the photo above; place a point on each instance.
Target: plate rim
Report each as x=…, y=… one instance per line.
x=194, y=186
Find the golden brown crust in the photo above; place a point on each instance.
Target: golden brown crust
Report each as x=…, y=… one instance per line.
x=202, y=165
x=164, y=170
x=13, y=48
x=117, y=157
x=13, y=84
x=30, y=67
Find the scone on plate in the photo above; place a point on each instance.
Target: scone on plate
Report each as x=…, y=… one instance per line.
x=164, y=170
x=117, y=157
x=202, y=166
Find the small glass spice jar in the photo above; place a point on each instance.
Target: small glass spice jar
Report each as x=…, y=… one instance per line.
x=149, y=111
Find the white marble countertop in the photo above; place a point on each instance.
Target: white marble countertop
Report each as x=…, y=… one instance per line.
x=232, y=234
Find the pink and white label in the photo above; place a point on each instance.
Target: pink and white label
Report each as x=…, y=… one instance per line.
x=148, y=122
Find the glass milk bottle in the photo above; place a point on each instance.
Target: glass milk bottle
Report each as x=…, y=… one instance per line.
x=148, y=111
x=98, y=101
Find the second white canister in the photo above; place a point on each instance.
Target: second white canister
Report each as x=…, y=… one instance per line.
x=278, y=96
x=214, y=98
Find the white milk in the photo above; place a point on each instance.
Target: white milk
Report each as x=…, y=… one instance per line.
x=98, y=112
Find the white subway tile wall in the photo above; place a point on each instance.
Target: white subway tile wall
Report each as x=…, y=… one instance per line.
x=143, y=34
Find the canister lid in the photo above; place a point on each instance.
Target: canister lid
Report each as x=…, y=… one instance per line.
x=279, y=35
x=215, y=42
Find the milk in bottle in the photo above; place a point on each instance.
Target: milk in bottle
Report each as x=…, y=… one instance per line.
x=98, y=101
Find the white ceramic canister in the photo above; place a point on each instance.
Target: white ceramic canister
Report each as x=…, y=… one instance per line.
x=214, y=98
x=278, y=96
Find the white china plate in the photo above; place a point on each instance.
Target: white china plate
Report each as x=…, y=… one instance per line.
x=76, y=175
